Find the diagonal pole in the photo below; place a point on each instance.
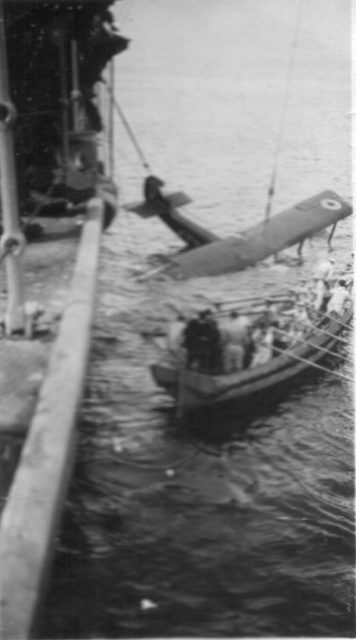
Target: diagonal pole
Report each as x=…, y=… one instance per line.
x=12, y=241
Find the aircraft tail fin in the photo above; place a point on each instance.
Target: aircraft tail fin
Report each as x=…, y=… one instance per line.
x=154, y=207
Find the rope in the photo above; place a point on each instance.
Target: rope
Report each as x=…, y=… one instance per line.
x=290, y=70
x=259, y=298
x=126, y=158
x=127, y=8
x=128, y=128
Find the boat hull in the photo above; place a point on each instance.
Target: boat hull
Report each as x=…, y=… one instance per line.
x=193, y=390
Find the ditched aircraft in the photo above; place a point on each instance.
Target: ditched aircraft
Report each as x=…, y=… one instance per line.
x=210, y=255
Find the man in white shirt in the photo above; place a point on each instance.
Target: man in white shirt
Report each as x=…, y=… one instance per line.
x=339, y=295
x=234, y=335
x=325, y=270
x=323, y=277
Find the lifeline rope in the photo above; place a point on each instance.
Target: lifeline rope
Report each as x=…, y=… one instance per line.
x=271, y=189
x=128, y=128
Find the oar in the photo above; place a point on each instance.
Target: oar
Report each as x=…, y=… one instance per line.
x=311, y=364
x=332, y=319
x=326, y=333
x=325, y=315
x=241, y=307
x=331, y=335
x=312, y=344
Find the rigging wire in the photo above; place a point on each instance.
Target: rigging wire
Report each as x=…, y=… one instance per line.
x=290, y=71
x=129, y=131
x=127, y=10
x=111, y=122
x=122, y=9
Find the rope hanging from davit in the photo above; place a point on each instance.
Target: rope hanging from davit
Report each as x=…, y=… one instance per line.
x=128, y=128
x=271, y=189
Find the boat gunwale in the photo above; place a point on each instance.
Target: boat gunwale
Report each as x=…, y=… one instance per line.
x=210, y=387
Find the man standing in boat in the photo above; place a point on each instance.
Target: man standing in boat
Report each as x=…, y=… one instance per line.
x=236, y=333
x=202, y=341
x=339, y=297
x=323, y=277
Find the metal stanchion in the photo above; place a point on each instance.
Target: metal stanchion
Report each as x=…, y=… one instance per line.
x=76, y=96
x=64, y=100
x=12, y=240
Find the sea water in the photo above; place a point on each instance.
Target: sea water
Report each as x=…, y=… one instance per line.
x=242, y=528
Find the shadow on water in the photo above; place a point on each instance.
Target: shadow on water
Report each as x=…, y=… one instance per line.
x=232, y=421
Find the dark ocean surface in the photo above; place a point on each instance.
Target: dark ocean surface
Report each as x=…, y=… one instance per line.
x=237, y=528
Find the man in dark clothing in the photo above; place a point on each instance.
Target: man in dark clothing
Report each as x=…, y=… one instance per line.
x=202, y=341
x=190, y=340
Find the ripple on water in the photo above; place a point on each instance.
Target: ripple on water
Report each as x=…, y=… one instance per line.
x=252, y=531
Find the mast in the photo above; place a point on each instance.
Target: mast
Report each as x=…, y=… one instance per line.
x=12, y=240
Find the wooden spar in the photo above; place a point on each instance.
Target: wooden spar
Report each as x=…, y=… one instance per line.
x=290, y=354
x=312, y=344
x=241, y=310
x=253, y=298
x=12, y=241
x=331, y=335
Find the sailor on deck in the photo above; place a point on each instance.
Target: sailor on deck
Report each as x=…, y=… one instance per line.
x=323, y=277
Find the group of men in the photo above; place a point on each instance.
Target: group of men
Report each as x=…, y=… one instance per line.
x=201, y=342
x=331, y=294
x=214, y=343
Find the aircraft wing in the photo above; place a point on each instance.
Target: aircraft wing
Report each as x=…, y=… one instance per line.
x=289, y=227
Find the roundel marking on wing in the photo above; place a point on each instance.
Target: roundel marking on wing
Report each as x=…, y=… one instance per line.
x=330, y=203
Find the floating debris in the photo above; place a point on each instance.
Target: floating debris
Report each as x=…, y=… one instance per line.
x=146, y=604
